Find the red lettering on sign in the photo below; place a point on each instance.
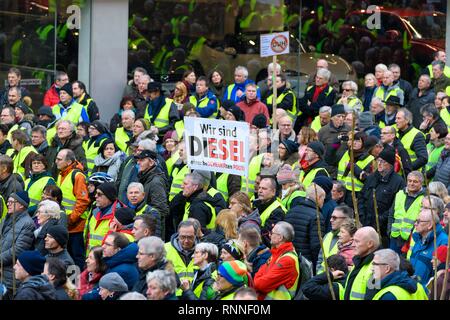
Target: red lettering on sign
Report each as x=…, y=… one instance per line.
x=279, y=43
x=212, y=147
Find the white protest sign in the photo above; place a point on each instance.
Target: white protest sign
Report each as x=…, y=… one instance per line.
x=274, y=44
x=217, y=145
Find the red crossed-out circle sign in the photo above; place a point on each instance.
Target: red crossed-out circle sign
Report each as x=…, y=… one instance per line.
x=279, y=43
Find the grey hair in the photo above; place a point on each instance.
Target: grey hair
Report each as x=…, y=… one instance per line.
x=311, y=192
x=243, y=70
x=417, y=174
x=378, y=101
x=41, y=129
x=381, y=67
x=130, y=113
x=408, y=114
x=165, y=279
x=71, y=125
x=390, y=257
x=370, y=234
x=147, y=144
x=371, y=75
x=153, y=245
x=326, y=109
x=50, y=208
x=324, y=73
x=146, y=77
x=133, y=296
x=437, y=205
x=138, y=185
x=17, y=90
x=427, y=77
x=189, y=223
x=438, y=63
x=70, y=155
x=197, y=179
x=352, y=85
x=438, y=188
x=286, y=230
x=270, y=66
x=210, y=248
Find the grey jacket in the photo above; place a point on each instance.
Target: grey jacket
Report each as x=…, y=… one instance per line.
x=12, y=184
x=111, y=166
x=24, y=238
x=442, y=169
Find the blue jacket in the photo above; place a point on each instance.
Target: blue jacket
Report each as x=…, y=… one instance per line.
x=124, y=263
x=398, y=278
x=423, y=252
x=239, y=86
x=210, y=108
x=327, y=210
x=258, y=257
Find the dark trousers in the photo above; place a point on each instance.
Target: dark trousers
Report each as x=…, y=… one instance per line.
x=76, y=249
x=396, y=244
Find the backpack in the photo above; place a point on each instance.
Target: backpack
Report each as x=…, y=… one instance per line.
x=306, y=273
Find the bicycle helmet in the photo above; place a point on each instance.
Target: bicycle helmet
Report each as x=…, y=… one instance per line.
x=98, y=178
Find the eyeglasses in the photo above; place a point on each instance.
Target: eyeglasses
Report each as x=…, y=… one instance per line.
x=379, y=264
x=99, y=194
x=418, y=221
x=144, y=254
x=184, y=238
x=347, y=89
x=335, y=218
x=11, y=201
x=108, y=244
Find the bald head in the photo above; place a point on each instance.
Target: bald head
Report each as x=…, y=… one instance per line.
x=322, y=64
x=366, y=241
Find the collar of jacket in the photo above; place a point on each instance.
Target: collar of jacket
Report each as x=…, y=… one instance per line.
x=401, y=133
x=264, y=205
x=418, y=194
x=37, y=176
x=144, y=175
x=387, y=177
x=74, y=165
x=194, y=195
x=278, y=251
x=249, y=102
x=359, y=261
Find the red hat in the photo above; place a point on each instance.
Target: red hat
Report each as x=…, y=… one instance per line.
x=441, y=253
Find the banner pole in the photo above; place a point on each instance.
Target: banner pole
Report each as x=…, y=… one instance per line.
x=274, y=96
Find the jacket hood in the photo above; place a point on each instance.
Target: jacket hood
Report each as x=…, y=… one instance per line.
x=307, y=203
x=126, y=255
x=401, y=279
x=41, y=284
x=253, y=217
x=175, y=243
x=73, y=142
x=100, y=161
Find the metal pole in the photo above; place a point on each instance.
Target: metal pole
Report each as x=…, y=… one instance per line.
x=319, y=231
x=274, y=96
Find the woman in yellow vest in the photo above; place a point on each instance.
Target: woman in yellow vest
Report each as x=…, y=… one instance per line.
x=231, y=276
x=21, y=153
x=38, y=180
x=98, y=133
x=205, y=258
x=170, y=154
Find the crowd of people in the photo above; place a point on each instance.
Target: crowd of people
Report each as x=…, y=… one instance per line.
x=347, y=197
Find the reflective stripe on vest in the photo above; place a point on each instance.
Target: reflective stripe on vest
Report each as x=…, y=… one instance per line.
x=19, y=159
x=404, y=220
x=178, y=177
x=401, y=294
x=69, y=198
x=308, y=179
x=347, y=179
x=254, y=169
x=329, y=250
x=407, y=141
x=359, y=286
x=36, y=188
x=202, y=103
x=266, y=214
x=162, y=119
x=212, y=223
x=121, y=138
x=283, y=293
x=183, y=271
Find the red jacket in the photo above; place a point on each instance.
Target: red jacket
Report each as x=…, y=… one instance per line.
x=275, y=273
x=252, y=108
x=51, y=96
x=87, y=284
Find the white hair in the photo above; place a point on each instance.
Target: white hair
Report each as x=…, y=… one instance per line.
x=311, y=192
x=352, y=85
x=243, y=70
x=390, y=257
x=138, y=185
x=324, y=109
x=153, y=245
x=270, y=67
x=147, y=144
x=133, y=296
x=286, y=230
x=381, y=67
x=50, y=208
x=165, y=279
x=324, y=73
x=129, y=113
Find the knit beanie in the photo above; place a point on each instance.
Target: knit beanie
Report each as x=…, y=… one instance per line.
x=337, y=109
x=109, y=189
x=113, y=282
x=97, y=124
x=318, y=148
x=286, y=175
x=22, y=198
x=171, y=134
x=232, y=249
x=291, y=146
x=365, y=119
x=388, y=155
x=67, y=88
x=441, y=253
x=125, y=216
x=237, y=112
x=324, y=182
x=45, y=111
x=32, y=261
x=59, y=233
x=227, y=104
x=260, y=121
x=235, y=272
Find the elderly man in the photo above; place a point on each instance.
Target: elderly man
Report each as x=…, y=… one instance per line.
x=389, y=139
x=366, y=241
x=441, y=171
x=17, y=222
x=286, y=98
x=420, y=96
x=402, y=83
x=14, y=77
x=269, y=207
x=9, y=183
x=322, y=119
x=39, y=139
x=316, y=96
x=72, y=183
x=334, y=137
x=405, y=210
x=124, y=133
x=236, y=91
x=14, y=96
x=431, y=117
x=421, y=253
x=323, y=64
x=388, y=88
x=303, y=218
x=440, y=81
x=161, y=285
x=437, y=56
x=265, y=84
x=389, y=282
x=385, y=183
x=412, y=139
x=278, y=278
x=286, y=130
x=194, y=202
x=349, y=96
x=140, y=97
x=180, y=250
x=136, y=201
x=330, y=240
x=151, y=256
x=377, y=108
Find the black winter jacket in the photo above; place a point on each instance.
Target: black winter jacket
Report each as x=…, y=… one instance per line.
x=304, y=220
x=36, y=288
x=317, y=287
x=419, y=146
x=276, y=216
